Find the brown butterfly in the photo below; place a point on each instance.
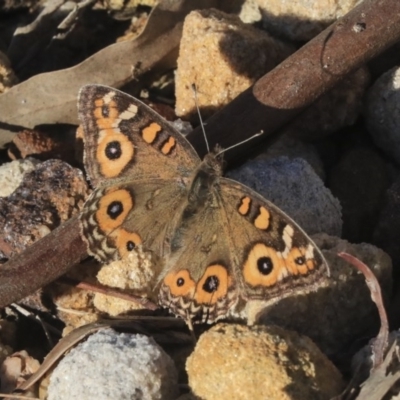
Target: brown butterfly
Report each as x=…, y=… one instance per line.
x=220, y=241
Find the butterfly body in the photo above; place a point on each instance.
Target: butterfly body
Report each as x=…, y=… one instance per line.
x=219, y=242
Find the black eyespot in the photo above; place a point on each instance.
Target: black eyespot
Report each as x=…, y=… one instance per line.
x=115, y=209
x=113, y=150
x=265, y=265
x=211, y=284
x=105, y=111
x=300, y=260
x=180, y=282
x=130, y=245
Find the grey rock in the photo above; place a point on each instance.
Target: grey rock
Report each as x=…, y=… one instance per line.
x=111, y=365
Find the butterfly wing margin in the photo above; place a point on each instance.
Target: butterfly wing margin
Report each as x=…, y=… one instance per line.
x=272, y=256
x=124, y=138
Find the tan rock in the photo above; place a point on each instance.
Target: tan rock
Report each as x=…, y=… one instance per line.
x=222, y=56
x=239, y=362
x=136, y=273
x=302, y=19
x=7, y=76
x=12, y=174
x=250, y=12
x=16, y=369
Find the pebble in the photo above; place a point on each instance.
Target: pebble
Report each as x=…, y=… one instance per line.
x=111, y=365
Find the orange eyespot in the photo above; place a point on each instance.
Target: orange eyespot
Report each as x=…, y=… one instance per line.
x=114, y=206
x=126, y=241
x=263, y=266
x=213, y=285
x=297, y=261
x=180, y=283
x=114, y=152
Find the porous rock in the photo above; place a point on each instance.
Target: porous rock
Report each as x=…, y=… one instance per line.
x=223, y=57
x=260, y=362
x=12, y=173
x=111, y=365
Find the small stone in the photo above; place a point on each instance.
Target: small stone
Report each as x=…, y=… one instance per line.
x=294, y=187
x=17, y=368
x=223, y=57
x=250, y=12
x=12, y=173
x=260, y=362
x=111, y=365
x=136, y=272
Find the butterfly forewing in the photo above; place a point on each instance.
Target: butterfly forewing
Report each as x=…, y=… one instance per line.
x=127, y=140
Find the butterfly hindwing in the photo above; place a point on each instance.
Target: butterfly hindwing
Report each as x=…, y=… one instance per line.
x=118, y=218
x=273, y=256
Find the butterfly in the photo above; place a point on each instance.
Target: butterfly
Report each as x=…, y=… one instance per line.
x=220, y=242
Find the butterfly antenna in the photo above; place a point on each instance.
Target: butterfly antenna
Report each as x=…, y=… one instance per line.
x=240, y=143
x=198, y=112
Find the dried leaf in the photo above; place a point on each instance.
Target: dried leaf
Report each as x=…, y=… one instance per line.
x=51, y=97
x=383, y=377
x=379, y=381
x=16, y=369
